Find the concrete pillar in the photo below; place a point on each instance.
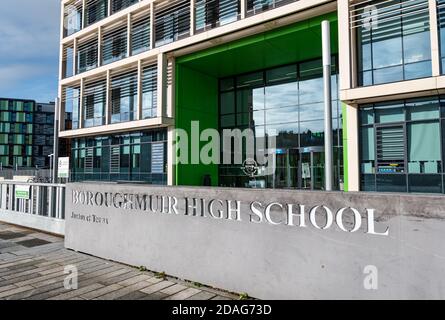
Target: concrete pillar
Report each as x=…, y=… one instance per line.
x=82, y=86
x=139, y=112
x=171, y=154
x=243, y=7
x=328, y=135
x=344, y=43
x=192, y=18
x=75, y=56
x=99, y=46
x=434, y=36
x=129, y=35
x=108, y=99
x=162, y=84
x=152, y=25
x=351, y=145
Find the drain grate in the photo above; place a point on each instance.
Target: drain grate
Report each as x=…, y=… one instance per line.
x=33, y=243
x=8, y=235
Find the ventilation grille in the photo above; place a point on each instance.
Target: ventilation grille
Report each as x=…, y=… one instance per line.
x=115, y=159
x=89, y=160
x=390, y=149
x=157, y=158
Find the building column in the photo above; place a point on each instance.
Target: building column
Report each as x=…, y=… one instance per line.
x=139, y=97
x=351, y=147
x=108, y=99
x=75, y=56
x=171, y=156
x=99, y=47
x=82, y=86
x=344, y=44
x=129, y=35
x=171, y=90
x=328, y=135
x=152, y=25
x=162, y=84
x=84, y=6
x=192, y=18
x=434, y=36
x=243, y=8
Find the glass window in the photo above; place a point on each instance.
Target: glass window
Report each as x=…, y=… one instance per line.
x=396, y=153
x=286, y=104
x=172, y=22
x=393, y=41
x=213, y=13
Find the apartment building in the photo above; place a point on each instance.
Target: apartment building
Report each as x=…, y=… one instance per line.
x=27, y=133
x=131, y=72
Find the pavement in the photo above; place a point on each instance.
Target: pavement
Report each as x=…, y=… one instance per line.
x=36, y=266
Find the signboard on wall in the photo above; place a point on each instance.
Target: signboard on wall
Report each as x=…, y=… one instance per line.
x=64, y=168
x=22, y=192
x=302, y=245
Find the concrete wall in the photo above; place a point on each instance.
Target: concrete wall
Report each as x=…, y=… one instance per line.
x=275, y=258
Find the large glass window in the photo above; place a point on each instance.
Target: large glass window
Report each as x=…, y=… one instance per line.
x=95, y=10
x=72, y=18
x=149, y=92
x=114, y=45
x=71, y=102
x=124, y=97
x=140, y=35
x=139, y=156
x=117, y=5
x=93, y=105
x=285, y=103
x=87, y=55
x=172, y=22
x=400, y=146
x=441, y=26
x=214, y=13
x=393, y=41
x=258, y=6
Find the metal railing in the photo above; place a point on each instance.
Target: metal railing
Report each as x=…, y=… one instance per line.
x=36, y=205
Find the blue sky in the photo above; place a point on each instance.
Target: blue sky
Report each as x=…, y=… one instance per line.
x=29, y=49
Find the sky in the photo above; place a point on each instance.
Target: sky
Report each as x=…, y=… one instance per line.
x=29, y=49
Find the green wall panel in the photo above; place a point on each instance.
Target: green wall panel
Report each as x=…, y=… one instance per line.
x=197, y=100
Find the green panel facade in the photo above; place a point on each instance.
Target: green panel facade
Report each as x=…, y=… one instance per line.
x=198, y=75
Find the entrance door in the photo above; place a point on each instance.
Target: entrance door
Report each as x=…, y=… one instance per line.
x=311, y=168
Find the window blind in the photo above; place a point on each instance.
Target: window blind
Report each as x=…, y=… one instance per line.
x=95, y=10
x=118, y=5
x=87, y=56
x=172, y=22
x=140, y=35
x=114, y=45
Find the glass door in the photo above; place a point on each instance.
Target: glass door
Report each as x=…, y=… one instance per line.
x=311, y=168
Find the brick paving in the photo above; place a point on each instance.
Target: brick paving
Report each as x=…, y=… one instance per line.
x=32, y=267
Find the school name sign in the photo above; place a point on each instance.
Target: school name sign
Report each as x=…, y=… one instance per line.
x=320, y=217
